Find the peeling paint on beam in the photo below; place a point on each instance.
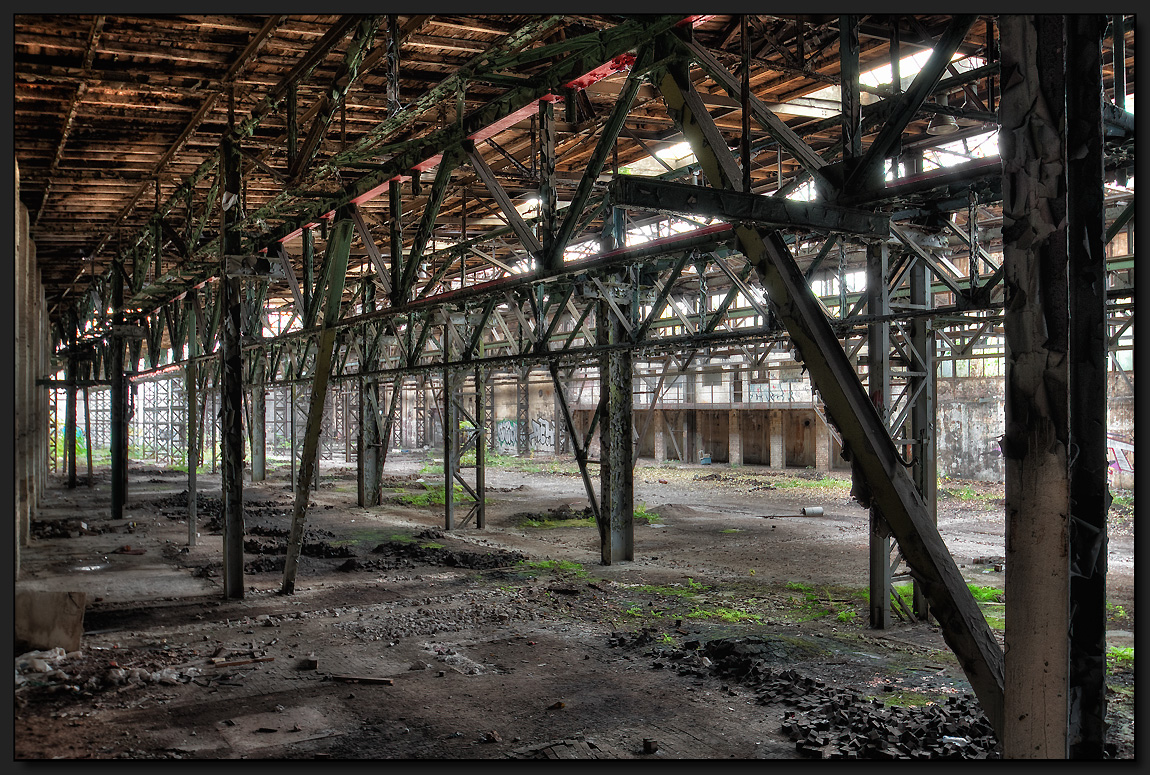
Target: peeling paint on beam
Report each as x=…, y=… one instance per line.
x=662, y=196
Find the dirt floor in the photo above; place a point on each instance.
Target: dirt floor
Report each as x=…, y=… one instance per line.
x=739, y=630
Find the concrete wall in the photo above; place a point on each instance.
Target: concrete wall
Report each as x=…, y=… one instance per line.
x=755, y=430
x=1120, y=430
x=711, y=429
x=970, y=420
x=799, y=442
x=542, y=417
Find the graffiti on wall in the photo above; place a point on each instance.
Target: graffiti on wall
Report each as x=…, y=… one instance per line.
x=1121, y=455
x=765, y=393
x=506, y=437
x=542, y=433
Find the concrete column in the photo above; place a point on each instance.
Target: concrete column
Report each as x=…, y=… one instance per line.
x=822, y=446
x=1036, y=443
x=660, y=441
x=734, y=438
x=1089, y=494
x=777, y=427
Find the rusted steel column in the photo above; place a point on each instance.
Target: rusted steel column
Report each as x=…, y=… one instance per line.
x=548, y=202
x=1118, y=59
x=617, y=510
x=562, y=442
x=88, y=433
x=1036, y=443
x=922, y=422
x=368, y=468
x=259, y=416
x=395, y=240
x=481, y=446
x=38, y=455
x=579, y=442
x=1089, y=493
x=878, y=385
x=450, y=445
x=522, y=411
x=849, y=90
x=191, y=389
x=231, y=375
x=70, y=411
x=371, y=448
x=118, y=400
x=335, y=263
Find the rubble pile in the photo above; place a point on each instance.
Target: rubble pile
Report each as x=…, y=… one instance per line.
x=559, y=513
x=828, y=722
x=62, y=528
x=423, y=554
x=84, y=674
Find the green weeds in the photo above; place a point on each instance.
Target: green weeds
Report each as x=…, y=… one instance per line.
x=729, y=615
x=985, y=594
x=1120, y=657
x=819, y=482
x=642, y=515
x=812, y=603
x=434, y=496
x=540, y=567
x=1114, y=612
x=549, y=524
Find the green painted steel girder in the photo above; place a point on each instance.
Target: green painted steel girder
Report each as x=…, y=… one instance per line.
x=589, y=51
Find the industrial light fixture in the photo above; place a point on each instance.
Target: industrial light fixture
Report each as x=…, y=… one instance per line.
x=942, y=124
x=967, y=121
